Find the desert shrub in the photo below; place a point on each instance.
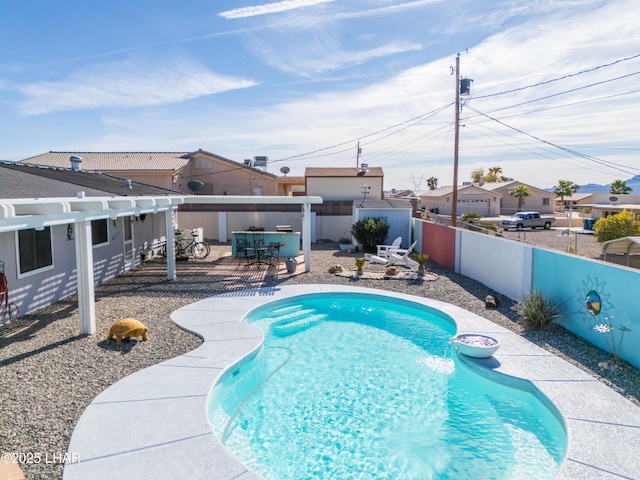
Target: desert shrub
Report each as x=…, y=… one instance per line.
x=616, y=226
x=370, y=231
x=536, y=311
x=470, y=217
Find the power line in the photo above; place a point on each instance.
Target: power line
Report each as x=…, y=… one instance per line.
x=564, y=77
x=350, y=142
x=415, y=120
x=608, y=164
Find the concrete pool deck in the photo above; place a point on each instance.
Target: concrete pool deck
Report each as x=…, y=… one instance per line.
x=153, y=424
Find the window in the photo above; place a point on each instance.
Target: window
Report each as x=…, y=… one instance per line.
x=34, y=249
x=545, y=201
x=99, y=232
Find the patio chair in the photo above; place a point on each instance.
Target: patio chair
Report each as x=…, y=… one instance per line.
x=384, y=250
x=396, y=257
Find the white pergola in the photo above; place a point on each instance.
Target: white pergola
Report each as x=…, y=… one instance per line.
x=22, y=214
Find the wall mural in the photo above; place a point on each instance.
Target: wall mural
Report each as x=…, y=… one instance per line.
x=594, y=304
x=596, y=309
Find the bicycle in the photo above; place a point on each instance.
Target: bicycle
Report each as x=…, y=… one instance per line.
x=193, y=247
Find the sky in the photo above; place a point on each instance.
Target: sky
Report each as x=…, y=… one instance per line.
x=554, y=91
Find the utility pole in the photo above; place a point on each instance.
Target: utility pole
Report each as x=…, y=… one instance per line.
x=463, y=87
x=358, y=152
x=454, y=200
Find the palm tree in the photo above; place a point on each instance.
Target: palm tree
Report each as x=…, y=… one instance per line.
x=493, y=175
x=565, y=188
x=521, y=192
x=620, y=187
x=432, y=183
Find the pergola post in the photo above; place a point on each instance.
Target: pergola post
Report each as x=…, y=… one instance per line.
x=171, y=245
x=85, y=278
x=306, y=235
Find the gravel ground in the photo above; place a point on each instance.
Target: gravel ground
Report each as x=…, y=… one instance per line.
x=49, y=374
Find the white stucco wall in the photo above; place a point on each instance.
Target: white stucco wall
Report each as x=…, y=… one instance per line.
x=500, y=264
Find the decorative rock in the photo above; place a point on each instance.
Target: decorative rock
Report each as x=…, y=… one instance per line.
x=491, y=302
x=336, y=269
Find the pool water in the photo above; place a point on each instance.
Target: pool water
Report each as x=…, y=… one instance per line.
x=366, y=386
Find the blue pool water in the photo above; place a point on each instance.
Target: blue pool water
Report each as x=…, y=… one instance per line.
x=366, y=386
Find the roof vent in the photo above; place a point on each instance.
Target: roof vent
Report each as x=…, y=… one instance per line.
x=75, y=163
x=129, y=185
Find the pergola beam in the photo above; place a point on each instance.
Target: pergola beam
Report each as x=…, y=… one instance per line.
x=23, y=214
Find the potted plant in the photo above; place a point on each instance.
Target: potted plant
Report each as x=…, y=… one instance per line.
x=360, y=261
x=421, y=258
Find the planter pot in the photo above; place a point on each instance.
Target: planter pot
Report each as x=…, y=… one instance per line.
x=474, y=345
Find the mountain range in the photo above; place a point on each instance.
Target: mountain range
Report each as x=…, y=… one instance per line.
x=633, y=183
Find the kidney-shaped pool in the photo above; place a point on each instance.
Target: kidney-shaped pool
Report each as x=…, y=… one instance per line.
x=368, y=386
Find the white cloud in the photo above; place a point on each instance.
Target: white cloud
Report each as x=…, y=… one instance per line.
x=269, y=8
x=126, y=84
x=325, y=58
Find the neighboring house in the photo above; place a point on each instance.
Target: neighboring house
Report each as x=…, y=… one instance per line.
x=539, y=201
x=574, y=202
x=605, y=204
x=471, y=198
x=408, y=195
x=39, y=260
x=199, y=172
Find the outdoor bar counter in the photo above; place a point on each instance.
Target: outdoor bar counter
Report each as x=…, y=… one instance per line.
x=289, y=241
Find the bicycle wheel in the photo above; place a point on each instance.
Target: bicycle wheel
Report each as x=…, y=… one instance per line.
x=200, y=250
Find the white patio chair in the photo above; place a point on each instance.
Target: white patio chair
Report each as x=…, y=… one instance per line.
x=383, y=250
x=396, y=257
x=401, y=257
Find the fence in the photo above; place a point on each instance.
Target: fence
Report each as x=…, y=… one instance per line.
x=515, y=269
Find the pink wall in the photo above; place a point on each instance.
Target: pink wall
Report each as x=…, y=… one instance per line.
x=439, y=242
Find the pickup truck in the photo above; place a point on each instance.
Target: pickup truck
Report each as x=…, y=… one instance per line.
x=522, y=220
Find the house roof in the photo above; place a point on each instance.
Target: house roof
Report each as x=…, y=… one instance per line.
x=20, y=180
x=118, y=161
x=386, y=203
x=464, y=189
x=169, y=162
x=343, y=172
x=403, y=194
x=578, y=196
x=493, y=186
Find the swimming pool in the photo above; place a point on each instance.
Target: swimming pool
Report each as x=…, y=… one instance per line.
x=367, y=386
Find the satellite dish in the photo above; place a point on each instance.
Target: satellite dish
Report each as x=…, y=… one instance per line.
x=285, y=170
x=195, y=185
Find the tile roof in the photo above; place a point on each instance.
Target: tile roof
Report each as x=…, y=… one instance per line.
x=19, y=180
x=115, y=161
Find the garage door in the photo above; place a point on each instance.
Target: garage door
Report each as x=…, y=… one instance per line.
x=479, y=206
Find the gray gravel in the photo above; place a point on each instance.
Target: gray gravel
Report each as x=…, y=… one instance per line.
x=49, y=374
